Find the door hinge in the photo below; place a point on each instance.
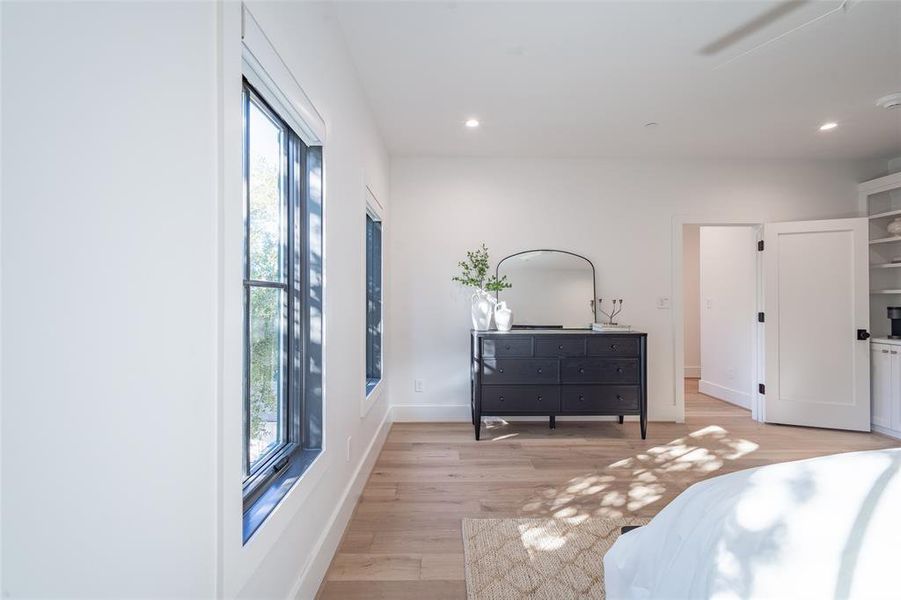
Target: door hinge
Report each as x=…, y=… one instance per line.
x=761, y=389
x=760, y=245
x=760, y=318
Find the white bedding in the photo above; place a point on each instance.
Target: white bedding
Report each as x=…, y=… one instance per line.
x=822, y=528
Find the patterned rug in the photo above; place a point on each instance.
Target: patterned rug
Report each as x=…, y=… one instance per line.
x=538, y=559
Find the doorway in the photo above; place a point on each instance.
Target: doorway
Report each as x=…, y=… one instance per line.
x=717, y=299
x=810, y=365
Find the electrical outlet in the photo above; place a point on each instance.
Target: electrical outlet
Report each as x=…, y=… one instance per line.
x=663, y=302
x=709, y=303
x=349, y=438
x=418, y=385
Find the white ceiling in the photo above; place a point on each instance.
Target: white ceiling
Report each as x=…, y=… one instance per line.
x=581, y=79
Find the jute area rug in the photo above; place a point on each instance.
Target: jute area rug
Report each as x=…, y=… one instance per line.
x=538, y=559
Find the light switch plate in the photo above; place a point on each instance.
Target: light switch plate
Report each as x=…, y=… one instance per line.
x=663, y=302
x=418, y=385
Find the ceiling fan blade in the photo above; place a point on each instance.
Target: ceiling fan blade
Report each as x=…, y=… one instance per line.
x=753, y=26
x=844, y=7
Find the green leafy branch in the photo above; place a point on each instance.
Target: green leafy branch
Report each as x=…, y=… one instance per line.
x=474, y=272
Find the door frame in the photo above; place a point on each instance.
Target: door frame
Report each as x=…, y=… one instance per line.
x=678, y=316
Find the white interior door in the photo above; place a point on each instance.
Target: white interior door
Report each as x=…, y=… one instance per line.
x=816, y=299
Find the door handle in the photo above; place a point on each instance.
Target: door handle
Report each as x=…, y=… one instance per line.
x=863, y=334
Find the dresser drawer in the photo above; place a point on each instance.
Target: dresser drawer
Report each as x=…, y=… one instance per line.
x=509, y=399
x=560, y=346
x=610, y=399
x=608, y=345
x=600, y=370
x=520, y=370
x=510, y=346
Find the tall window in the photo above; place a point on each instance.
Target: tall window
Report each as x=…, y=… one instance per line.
x=282, y=306
x=373, y=300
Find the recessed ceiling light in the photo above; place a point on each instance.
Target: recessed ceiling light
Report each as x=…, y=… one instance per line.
x=828, y=126
x=472, y=123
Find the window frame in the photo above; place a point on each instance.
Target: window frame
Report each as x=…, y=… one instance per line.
x=373, y=210
x=262, y=480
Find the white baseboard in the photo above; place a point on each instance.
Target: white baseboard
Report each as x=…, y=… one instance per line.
x=693, y=372
x=886, y=431
x=307, y=585
x=724, y=393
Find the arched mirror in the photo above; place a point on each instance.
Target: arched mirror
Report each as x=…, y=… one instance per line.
x=550, y=289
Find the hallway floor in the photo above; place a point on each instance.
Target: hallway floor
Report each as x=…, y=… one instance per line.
x=404, y=540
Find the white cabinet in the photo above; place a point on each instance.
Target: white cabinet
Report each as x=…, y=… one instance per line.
x=885, y=386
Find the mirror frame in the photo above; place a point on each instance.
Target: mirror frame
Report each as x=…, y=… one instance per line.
x=594, y=284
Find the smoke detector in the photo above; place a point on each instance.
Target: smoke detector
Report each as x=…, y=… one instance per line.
x=890, y=101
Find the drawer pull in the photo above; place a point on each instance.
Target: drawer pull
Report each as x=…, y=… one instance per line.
x=501, y=398
x=618, y=397
x=581, y=398
x=613, y=346
x=507, y=347
x=619, y=369
x=581, y=370
x=500, y=370
x=560, y=347
x=539, y=398
x=539, y=371
x=885, y=351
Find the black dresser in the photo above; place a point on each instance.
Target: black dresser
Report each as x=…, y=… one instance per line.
x=550, y=372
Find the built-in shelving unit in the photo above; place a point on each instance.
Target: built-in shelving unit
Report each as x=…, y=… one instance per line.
x=880, y=201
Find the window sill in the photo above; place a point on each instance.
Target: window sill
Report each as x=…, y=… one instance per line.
x=276, y=490
x=374, y=389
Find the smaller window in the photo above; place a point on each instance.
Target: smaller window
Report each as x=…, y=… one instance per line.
x=373, y=296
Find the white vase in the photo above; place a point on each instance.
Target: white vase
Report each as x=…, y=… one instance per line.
x=481, y=311
x=503, y=317
x=894, y=228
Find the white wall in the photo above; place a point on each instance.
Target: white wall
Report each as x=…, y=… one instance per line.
x=111, y=220
x=728, y=287
x=108, y=281
x=691, y=304
x=617, y=213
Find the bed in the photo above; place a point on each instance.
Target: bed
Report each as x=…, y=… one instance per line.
x=828, y=527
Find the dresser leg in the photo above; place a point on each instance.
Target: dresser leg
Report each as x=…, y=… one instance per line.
x=552, y=422
x=621, y=419
x=478, y=427
x=644, y=426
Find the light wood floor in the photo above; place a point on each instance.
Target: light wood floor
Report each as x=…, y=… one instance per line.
x=404, y=540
